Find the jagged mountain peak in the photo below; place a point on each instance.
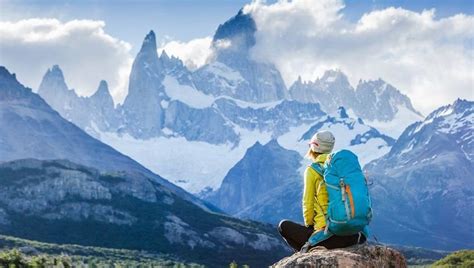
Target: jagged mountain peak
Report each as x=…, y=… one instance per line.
x=53, y=80
x=299, y=80
x=332, y=76
x=141, y=108
x=257, y=144
x=462, y=103
x=459, y=106
x=258, y=147
x=241, y=25
x=149, y=43
x=378, y=87
x=102, y=91
x=336, y=75
x=445, y=129
x=55, y=70
x=374, y=100
x=388, y=101
x=86, y=112
x=164, y=55
x=244, y=78
x=103, y=85
x=273, y=143
x=378, y=81
x=171, y=63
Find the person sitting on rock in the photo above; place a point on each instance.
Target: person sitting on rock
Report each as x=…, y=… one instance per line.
x=315, y=202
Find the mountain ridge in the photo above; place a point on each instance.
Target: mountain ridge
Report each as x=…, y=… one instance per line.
x=223, y=107
x=429, y=163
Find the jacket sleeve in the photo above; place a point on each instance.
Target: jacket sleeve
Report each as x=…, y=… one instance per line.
x=321, y=202
x=308, y=197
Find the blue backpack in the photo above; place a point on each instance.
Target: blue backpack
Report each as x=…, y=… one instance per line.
x=349, y=208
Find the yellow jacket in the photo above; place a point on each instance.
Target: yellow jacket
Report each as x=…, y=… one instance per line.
x=315, y=197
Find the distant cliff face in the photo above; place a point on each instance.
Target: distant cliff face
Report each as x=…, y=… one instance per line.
x=357, y=256
x=263, y=170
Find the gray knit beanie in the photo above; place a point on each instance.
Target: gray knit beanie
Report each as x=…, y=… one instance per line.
x=322, y=142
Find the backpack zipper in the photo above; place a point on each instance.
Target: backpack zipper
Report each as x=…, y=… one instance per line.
x=351, y=200
x=343, y=195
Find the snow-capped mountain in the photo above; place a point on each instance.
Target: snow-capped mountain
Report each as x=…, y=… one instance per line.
x=423, y=182
x=383, y=98
x=384, y=107
x=217, y=129
x=214, y=128
x=332, y=91
x=124, y=203
x=53, y=88
x=266, y=184
x=377, y=102
x=89, y=113
x=209, y=117
x=234, y=73
x=353, y=134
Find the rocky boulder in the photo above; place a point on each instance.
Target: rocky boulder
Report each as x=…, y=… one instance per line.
x=356, y=256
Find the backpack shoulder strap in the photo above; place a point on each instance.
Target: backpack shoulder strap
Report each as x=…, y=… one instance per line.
x=318, y=168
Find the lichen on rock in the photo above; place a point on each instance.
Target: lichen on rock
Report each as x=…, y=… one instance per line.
x=366, y=256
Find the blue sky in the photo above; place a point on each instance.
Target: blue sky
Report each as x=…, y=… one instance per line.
x=186, y=19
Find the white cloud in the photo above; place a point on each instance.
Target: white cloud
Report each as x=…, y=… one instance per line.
x=194, y=53
x=83, y=50
x=429, y=59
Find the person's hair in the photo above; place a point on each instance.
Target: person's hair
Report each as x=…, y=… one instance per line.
x=312, y=155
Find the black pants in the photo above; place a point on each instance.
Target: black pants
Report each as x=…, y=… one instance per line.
x=296, y=236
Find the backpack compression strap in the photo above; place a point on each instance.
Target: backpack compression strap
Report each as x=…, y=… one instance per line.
x=318, y=168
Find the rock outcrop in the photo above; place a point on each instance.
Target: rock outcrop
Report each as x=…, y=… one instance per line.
x=357, y=256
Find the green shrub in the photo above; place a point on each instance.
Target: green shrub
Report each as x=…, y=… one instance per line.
x=12, y=258
x=461, y=259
